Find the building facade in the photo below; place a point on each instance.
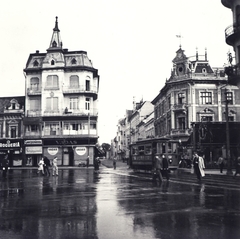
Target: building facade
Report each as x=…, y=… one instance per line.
x=11, y=128
x=61, y=110
x=194, y=94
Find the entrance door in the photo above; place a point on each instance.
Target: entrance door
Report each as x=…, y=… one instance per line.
x=66, y=159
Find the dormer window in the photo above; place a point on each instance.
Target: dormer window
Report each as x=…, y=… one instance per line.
x=74, y=62
x=52, y=62
x=35, y=63
x=54, y=44
x=204, y=71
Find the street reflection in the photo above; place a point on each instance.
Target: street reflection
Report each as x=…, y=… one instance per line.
x=112, y=204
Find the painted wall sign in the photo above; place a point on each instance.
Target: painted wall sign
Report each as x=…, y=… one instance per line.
x=33, y=142
x=8, y=144
x=52, y=151
x=81, y=150
x=33, y=150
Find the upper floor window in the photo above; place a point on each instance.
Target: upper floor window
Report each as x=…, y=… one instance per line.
x=229, y=97
x=34, y=83
x=181, y=97
x=52, y=81
x=13, y=132
x=52, y=62
x=87, y=104
x=73, y=103
x=206, y=118
x=205, y=97
x=35, y=104
x=52, y=103
x=87, y=85
x=74, y=81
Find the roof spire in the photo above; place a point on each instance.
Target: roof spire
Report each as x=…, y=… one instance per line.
x=55, y=42
x=56, y=25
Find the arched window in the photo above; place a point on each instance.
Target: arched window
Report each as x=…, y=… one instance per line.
x=74, y=81
x=34, y=83
x=52, y=62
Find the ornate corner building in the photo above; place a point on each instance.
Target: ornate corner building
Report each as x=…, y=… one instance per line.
x=191, y=107
x=61, y=111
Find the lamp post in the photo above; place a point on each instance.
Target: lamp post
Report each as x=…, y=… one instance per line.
x=228, y=97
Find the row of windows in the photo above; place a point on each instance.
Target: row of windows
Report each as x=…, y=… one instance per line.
x=52, y=103
x=205, y=97
x=53, y=82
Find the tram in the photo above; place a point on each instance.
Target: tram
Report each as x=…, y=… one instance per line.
x=143, y=152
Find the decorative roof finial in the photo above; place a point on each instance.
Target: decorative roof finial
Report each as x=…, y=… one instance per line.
x=56, y=25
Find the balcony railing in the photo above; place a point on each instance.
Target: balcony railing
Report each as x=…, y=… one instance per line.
x=33, y=91
x=179, y=107
x=79, y=89
x=179, y=132
x=62, y=112
x=231, y=33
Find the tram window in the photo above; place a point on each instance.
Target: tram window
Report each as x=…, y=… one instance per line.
x=134, y=150
x=148, y=150
x=163, y=148
x=141, y=150
x=174, y=147
x=169, y=147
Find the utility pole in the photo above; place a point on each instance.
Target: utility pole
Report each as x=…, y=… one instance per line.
x=228, y=98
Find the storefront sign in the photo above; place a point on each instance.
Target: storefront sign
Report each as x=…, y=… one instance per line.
x=33, y=142
x=33, y=150
x=8, y=144
x=81, y=150
x=52, y=151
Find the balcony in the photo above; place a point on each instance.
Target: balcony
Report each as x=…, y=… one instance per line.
x=179, y=107
x=233, y=73
x=79, y=89
x=62, y=112
x=232, y=34
x=179, y=132
x=33, y=91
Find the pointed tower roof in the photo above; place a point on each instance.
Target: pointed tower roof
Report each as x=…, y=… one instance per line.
x=56, y=42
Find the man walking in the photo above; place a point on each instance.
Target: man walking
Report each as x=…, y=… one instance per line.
x=158, y=166
x=46, y=166
x=165, y=167
x=198, y=164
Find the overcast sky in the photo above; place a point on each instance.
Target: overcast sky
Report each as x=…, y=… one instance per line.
x=131, y=42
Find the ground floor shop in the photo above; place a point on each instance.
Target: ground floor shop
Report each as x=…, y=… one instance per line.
x=12, y=148
x=69, y=152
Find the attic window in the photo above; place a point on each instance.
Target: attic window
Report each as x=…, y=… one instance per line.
x=74, y=61
x=54, y=44
x=52, y=62
x=204, y=70
x=35, y=63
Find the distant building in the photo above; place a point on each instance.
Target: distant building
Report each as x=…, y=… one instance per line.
x=11, y=128
x=61, y=112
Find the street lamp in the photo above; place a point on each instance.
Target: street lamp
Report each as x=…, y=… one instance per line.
x=228, y=97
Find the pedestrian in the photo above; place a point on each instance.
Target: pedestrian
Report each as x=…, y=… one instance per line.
x=198, y=164
x=87, y=161
x=165, y=169
x=5, y=165
x=158, y=165
x=114, y=162
x=54, y=167
x=220, y=162
x=96, y=165
x=237, y=166
x=40, y=166
x=46, y=165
